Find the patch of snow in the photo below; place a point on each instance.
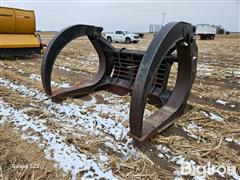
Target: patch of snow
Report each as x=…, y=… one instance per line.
x=67, y=156
x=221, y=102
x=20, y=71
x=63, y=68
x=161, y=155
x=225, y=94
x=35, y=77
x=60, y=85
x=193, y=126
x=205, y=69
x=208, y=73
x=78, y=117
x=232, y=140
x=23, y=90
x=213, y=116
x=103, y=158
x=237, y=73
x=191, y=129
x=163, y=151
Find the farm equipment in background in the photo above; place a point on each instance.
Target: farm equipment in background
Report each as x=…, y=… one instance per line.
x=143, y=74
x=17, y=33
x=206, y=31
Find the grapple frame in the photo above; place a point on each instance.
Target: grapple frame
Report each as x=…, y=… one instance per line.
x=143, y=74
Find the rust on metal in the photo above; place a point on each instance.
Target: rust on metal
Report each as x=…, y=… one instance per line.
x=143, y=74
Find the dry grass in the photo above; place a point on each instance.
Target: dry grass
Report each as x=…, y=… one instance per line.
x=22, y=160
x=210, y=144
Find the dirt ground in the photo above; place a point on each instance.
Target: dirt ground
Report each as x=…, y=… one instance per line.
x=87, y=137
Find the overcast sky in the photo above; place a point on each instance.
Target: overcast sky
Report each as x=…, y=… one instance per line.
x=132, y=15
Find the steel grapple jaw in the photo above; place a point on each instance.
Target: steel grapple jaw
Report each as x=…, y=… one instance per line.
x=143, y=74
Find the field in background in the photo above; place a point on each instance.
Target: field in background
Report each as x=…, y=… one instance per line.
x=88, y=137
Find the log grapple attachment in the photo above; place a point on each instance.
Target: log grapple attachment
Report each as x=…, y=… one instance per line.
x=143, y=74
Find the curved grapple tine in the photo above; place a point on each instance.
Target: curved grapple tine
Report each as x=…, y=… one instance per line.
x=144, y=74
x=58, y=43
x=181, y=36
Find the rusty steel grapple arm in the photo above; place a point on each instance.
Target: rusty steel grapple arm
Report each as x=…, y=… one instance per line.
x=143, y=74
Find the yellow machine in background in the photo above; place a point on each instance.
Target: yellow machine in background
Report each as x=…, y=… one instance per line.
x=17, y=33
